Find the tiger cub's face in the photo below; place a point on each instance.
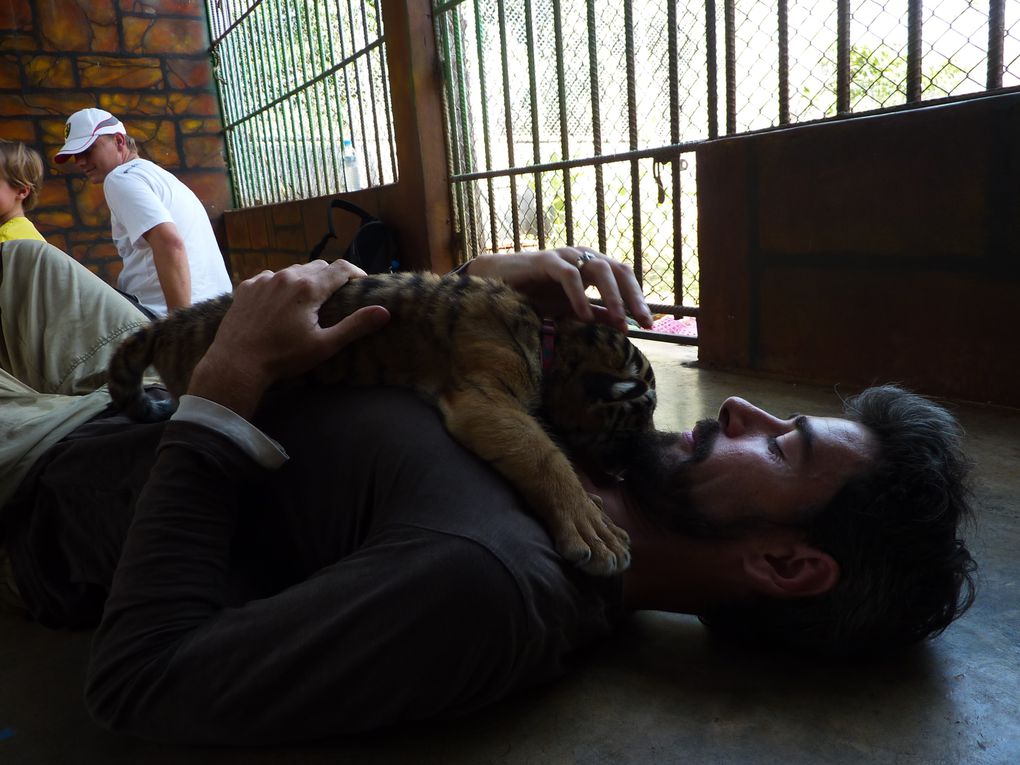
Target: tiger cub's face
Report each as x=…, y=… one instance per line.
x=600, y=384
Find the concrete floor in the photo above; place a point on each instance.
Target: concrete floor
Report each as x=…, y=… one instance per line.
x=659, y=693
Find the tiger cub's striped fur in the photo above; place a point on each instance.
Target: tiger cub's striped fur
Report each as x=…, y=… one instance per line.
x=473, y=348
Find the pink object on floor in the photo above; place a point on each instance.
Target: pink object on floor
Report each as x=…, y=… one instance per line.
x=686, y=326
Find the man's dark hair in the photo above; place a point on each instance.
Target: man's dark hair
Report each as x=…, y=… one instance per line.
x=905, y=575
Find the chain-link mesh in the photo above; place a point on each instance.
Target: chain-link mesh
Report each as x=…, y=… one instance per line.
x=574, y=121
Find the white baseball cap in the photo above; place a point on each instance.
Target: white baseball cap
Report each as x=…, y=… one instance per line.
x=83, y=128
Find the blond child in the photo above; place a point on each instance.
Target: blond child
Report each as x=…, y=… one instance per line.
x=21, y=177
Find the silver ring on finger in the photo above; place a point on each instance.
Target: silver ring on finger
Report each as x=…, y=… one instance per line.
x=583, y=258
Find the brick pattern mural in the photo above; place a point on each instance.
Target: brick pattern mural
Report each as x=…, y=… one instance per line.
x=146, y=61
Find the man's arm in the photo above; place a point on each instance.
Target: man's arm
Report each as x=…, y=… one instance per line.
x=171, y=259
x=340, y=652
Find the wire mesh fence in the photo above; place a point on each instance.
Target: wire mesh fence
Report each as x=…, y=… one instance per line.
x=304, y=91
x=575, y=121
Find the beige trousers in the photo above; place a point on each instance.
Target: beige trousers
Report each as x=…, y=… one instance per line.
x=59, y=325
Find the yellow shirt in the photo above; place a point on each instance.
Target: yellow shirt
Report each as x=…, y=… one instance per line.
x=19, y=228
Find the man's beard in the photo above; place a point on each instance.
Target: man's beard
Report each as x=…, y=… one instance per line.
x=657, y=475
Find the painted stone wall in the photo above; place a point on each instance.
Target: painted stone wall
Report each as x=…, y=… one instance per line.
x=147, y=62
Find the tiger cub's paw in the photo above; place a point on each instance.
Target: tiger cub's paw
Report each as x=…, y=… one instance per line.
x=592, y=542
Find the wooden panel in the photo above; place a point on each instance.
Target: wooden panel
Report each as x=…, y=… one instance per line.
x=872, y=250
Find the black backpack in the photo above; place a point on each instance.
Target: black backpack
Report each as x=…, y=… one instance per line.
x=373, y=249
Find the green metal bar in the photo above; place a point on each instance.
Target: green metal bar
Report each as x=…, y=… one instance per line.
x=996, y=36
x=536, y=146
x=387, y=100
x=281, y=114
x=712, y=70
x=508, y=117
x=345, y=61
x=315, y=42
x=561, y=94
x=661, y=153
x=730, y=22
x=842, y=56
x=596, y=125
x=632, y=137
x=287, y=107
x=214, y=54
x=784, y=62
x=673, y=46
x=306, y=109
x=232, y=60
x=487, y=145
x=913, y=51
x=453, y=127
x=361, y=101
x=465, y=130
x=262, y=56
x=371, y=101
x=327, y=95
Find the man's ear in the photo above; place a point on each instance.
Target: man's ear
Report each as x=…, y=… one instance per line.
x=789, y=569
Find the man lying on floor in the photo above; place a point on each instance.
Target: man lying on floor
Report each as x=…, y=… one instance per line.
x=377, y=572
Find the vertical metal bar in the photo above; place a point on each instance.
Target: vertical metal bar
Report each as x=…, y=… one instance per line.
x=996, y=38
x=385, y=74
x=344, y=130
x=239, y=98
x=596, y=124
x=272, y=52
x=480, y=48
x=453, y=126
x=258, y=182
x=390, y=140
x=784, y=62
x=291, y=104
x=632, y=137
x=508, y=116
x=561, y=94
x=325, y=153
x=371, y=103
x=301, y=140
x=327, y=103
x=712, y=69
x=536, y=146
x=674, y=138
x=843, y=56
x=914, y=51
x=358, y=52
x=467, y=146
x=267, y=54
x=220, y=52
x=730, y=21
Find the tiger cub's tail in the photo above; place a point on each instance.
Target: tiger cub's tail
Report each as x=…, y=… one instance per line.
x=125, y=374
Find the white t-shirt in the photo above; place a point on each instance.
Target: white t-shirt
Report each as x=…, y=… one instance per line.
x=141, y=195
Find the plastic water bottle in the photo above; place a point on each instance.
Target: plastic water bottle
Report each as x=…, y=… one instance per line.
x=352, y=166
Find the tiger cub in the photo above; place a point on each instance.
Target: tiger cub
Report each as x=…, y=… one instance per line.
x=474, y=348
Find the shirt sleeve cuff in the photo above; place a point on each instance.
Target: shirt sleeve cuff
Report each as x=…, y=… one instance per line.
x=256, y=444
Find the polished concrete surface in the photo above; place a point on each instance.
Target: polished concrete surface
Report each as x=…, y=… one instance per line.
x=659, y=692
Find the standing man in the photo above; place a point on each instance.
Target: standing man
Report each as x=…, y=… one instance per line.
x=161, y=229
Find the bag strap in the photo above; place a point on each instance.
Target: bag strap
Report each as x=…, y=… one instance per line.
x=343, y=204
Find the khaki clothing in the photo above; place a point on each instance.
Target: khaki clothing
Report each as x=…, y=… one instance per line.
x=59, y=325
